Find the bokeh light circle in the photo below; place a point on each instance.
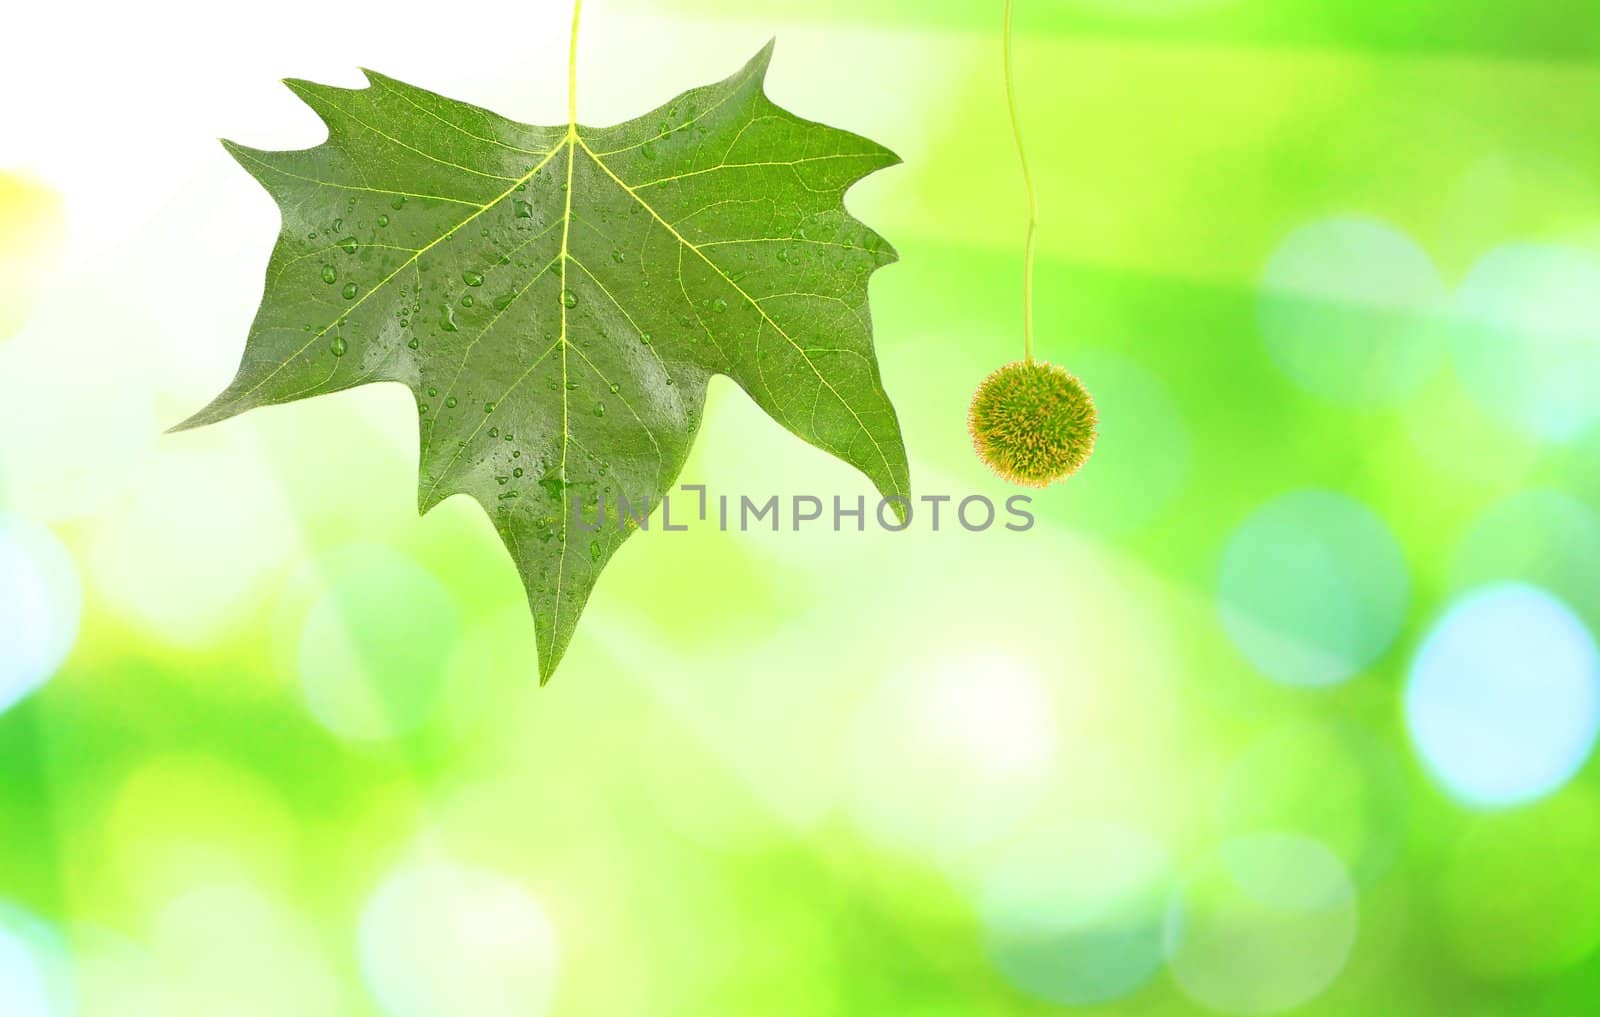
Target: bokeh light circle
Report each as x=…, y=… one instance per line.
x=1263, y=925
x=1353, y=310
x=78, y=388
x=438, y=938
x=35, y=971
x=1527, y=337
x=171, y=558
x=952, y=753
x=234, y=947
x=375, y=648
x=1545, y=538
x=117, y=976
x=31, y=227
x=1503, y=699
x=1074, y=915
x=40, y=604
x=1313, y=588
x=23, y=989
x=182, y=819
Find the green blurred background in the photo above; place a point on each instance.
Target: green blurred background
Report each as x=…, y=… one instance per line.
x=1286, y=706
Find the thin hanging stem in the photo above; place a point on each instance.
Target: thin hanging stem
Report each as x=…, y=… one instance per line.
x=572, y=68
x=1033, y=201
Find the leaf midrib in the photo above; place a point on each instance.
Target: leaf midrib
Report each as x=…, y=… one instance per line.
x=566, y=399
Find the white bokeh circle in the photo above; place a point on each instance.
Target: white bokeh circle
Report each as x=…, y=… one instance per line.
x=40, y=605
x=441, y=938
x=1503, y=698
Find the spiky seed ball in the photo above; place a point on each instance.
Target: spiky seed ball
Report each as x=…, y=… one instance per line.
x=1033, y=423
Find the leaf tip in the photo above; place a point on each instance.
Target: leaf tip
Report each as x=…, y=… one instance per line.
x=317, y=96
x=761, y=61
x=553, y=640
x=223, y=407
x=209, y=415
x=549, y=658
x=902, y=514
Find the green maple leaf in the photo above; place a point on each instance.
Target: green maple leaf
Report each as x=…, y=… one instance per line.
x=558, y=297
